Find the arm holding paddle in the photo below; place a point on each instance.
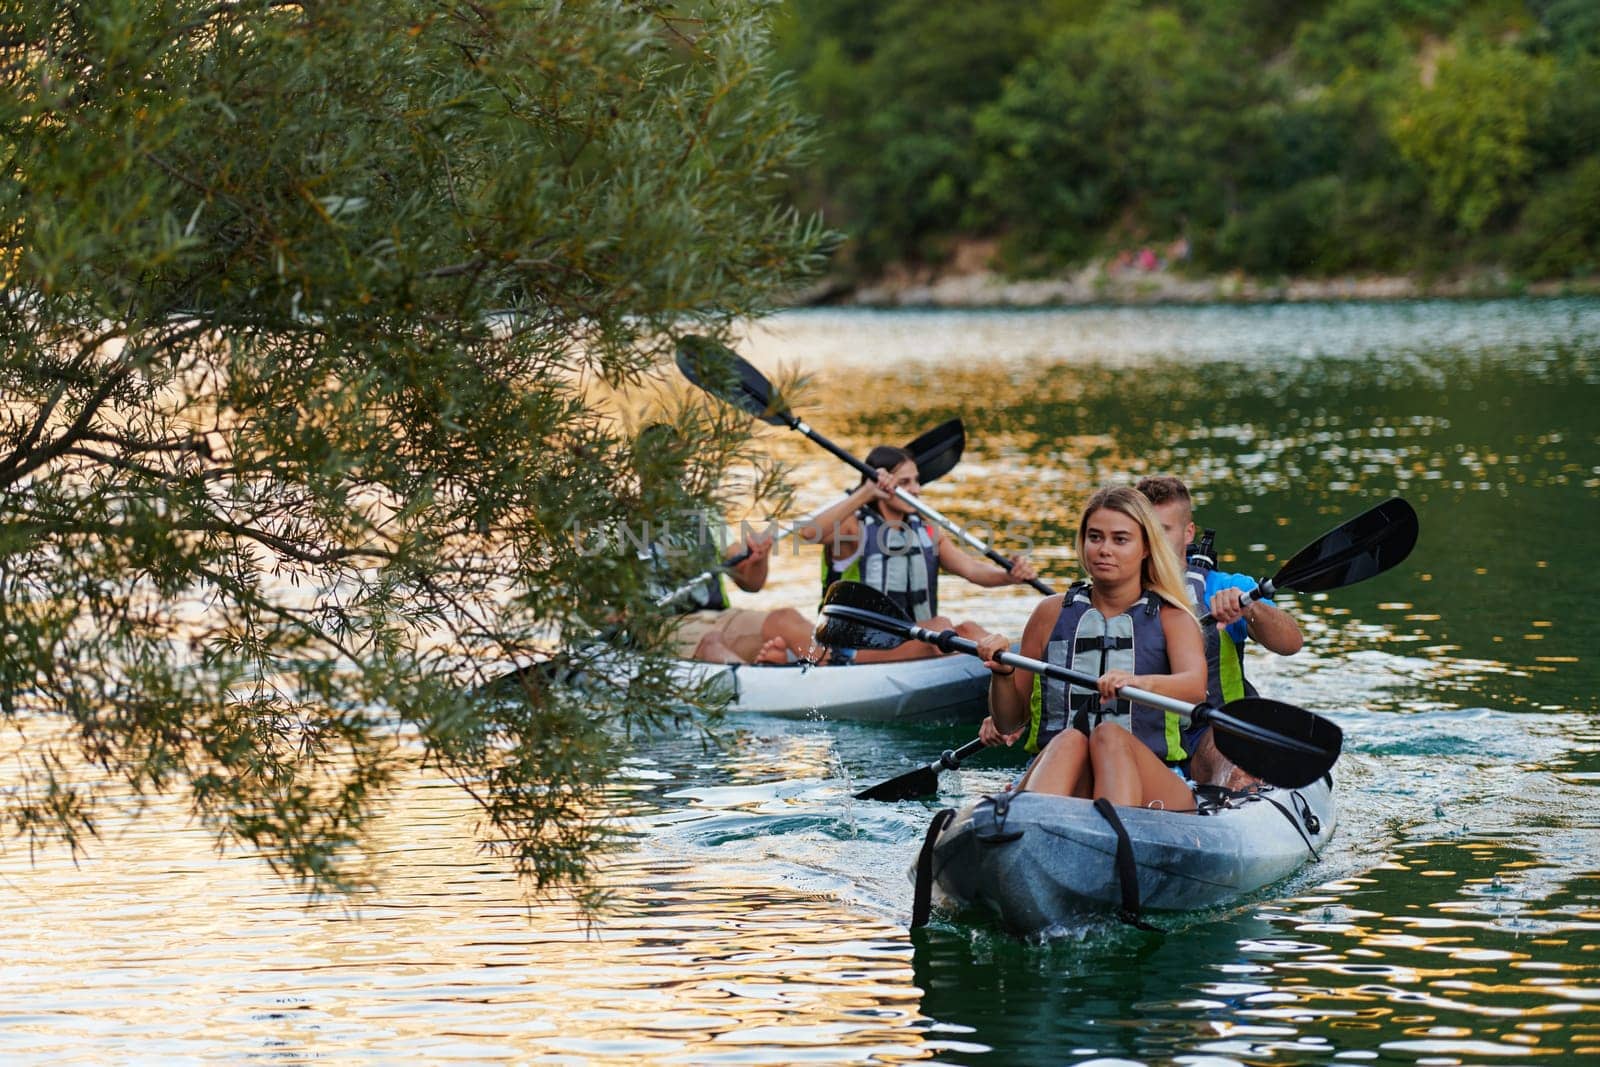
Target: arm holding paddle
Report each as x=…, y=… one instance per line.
x=1269, y=625
x=1010, y=687
x=980, y=572
x=749, y=568
x=836, y=526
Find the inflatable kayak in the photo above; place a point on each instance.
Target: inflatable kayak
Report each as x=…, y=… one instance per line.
x=1036, y=860
x=940, y=689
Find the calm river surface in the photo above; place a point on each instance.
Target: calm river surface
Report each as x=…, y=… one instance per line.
x=1455, y=920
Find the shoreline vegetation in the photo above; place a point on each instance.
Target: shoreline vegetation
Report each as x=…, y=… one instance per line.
x=1060, y=152
x=1144, y=278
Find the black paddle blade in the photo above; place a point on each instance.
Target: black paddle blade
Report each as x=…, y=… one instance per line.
x=858, y=616
x=922, y=782
x=1357, y=549
x=846, y=627
x=865, y=599
x=720, y=371
x=1285, y=745
x=939, y=450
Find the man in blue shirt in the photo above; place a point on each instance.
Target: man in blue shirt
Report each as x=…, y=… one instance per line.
x=1237, y=621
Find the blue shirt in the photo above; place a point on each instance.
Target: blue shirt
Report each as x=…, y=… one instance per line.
x=1239, y=629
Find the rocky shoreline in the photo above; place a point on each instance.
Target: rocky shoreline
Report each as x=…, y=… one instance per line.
x=1098, y=284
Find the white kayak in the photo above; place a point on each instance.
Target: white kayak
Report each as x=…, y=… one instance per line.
x=939, y=689
x=1037, y=860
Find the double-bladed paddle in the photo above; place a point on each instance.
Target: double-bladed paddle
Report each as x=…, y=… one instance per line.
x=725, y=375
x=1356, y=549
x=1278, y=742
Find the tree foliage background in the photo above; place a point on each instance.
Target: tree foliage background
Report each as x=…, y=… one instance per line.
x=1306, y=137
x=304, y=307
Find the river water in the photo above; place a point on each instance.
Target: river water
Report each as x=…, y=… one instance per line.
x=761, y=918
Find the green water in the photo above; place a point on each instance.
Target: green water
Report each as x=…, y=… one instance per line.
x=1453, y=920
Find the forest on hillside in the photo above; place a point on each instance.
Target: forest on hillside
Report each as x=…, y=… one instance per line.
x=1273, y=137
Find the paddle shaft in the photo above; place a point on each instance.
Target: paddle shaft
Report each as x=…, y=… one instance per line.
x=682, y=590
x=911, y=501
x=949, y=761
x=950, y=642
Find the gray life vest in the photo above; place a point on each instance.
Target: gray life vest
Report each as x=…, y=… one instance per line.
x=1086, y=641
x=899, y=560
x=671, y=570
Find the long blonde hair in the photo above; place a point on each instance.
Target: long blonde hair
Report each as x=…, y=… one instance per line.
x=1160, y=572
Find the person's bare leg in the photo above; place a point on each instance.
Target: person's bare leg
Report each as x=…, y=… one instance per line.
x=1129, y=774
x=1209, y=766
x=712, y=649
x=787, y=623
x=794, y=629
x=1062, y=768
x=908, y=651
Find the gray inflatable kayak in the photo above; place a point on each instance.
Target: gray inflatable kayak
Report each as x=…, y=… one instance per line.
x=1036, y=860
x=941, y=689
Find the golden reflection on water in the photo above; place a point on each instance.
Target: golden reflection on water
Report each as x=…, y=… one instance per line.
x=185, y=952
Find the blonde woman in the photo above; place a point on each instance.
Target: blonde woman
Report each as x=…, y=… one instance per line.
x=1129, y=625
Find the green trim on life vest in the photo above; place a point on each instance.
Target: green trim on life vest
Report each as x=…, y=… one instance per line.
x=1230, y=666
x=1035, y=714
x=1175, y=752
x=851, y=573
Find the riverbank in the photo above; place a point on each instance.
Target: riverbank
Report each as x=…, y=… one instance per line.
x=1115, y=282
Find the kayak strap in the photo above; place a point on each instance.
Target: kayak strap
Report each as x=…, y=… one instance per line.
x=922, y=893
x=1210, y=799
x=994, y=810
x=1127, y=873
x=1213, y=798
x=1305, y=820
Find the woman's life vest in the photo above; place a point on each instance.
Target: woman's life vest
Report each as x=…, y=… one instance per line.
x=899, y=560
x=1086, y=641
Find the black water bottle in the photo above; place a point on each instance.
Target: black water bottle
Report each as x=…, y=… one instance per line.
x=1202, y=553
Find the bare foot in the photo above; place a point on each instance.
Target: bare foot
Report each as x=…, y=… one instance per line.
x=774, y=652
